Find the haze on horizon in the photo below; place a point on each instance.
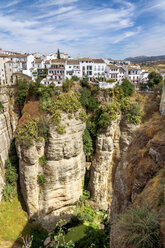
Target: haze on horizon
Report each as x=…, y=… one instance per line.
x=100, y=28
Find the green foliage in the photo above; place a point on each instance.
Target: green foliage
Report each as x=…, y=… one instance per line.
x=27, y=133
x=154, y=78
x=84, y=82
x=67, y=84
x=88, y=100
x=11, y=180
x=94, y=238
x=106, y=114
x=22, y=86
x=1, y=106
x=41, y=179
x=74, y=78
x=58, y=54
x=87, y=143
x=140, y=228
x=132, y=111
x=127, y=87
x=68, y=103
x=38, y=237
x=85, y=196
x=42, y=160
x=11, y=173
x=83, y=116
x=43, y=127
x=59, y=237
x=60, y=129
x=7, y=192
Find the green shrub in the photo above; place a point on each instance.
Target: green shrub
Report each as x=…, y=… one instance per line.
x=140, y=228
x=39, y=236
x=22, y=86
x=132, y=111
x=68, y=103
x=106, y=114
x=27, y=133
x=41, y=179
x=127, y=87
x=87, y=100
x=154, y=78
x=74, y=78
x=87, y=143
x=94, y=238
x=83, y=116
x=11, y=180
x=11, y=173
x=43, y=127
x=7, y=192
x=1, y=106
x=84, y=81
x=60, y=129
x=42, y=160
x=67, y=84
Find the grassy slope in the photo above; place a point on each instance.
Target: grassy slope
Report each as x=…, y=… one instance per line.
x=13, y=220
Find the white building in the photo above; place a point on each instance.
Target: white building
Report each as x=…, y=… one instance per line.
x=72, y=68
x=86, y=67
x=99, y=67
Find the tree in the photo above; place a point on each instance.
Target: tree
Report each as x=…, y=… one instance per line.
x=127, y=87
x=154, y=78
x=58, y=54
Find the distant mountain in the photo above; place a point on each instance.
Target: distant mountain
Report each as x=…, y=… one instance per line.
x=143, y=59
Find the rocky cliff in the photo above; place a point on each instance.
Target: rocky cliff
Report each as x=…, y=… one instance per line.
x=63, y=172
x=8, y=120
x=162, y=103
x=138, y=178
x=110, y=146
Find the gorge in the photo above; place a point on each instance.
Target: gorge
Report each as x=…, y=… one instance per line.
x=124, y=170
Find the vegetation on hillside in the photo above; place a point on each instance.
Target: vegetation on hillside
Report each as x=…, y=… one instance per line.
x=1, y=107
x=140, y=227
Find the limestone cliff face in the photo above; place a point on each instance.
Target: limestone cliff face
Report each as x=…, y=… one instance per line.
x=109, y=148
x=8, y=121
x=138, y=175
x=63, y=172
x=162, y=103
x=101, y=174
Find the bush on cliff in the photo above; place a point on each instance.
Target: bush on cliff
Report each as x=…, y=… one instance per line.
x=106, y=114
x=22, y=86
x=1, y=106
x=140, y=228
x=132, y=111
x=88, y=100
x=127, y=87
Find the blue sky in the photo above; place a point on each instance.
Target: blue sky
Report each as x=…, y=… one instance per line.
x=98, y=28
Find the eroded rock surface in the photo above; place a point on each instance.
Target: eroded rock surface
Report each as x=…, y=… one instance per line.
x=63, y=172
x=8, y=121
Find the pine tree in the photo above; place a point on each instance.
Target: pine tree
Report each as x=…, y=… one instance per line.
x=58, y=54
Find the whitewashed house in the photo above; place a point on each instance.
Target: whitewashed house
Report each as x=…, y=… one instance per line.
x=99, y=67
x=56, y=73
x=86, y=67
x=72, y=68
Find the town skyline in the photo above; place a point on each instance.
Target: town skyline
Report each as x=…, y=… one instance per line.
x=112, y=29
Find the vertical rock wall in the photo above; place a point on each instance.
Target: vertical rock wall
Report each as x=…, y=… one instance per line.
x=63, y=172
x=162, y=103
x=8, y=121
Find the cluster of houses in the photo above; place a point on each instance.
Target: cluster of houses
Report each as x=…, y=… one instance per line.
x=55, y=70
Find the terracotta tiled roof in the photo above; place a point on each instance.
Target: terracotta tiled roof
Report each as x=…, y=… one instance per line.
x=85, y=59
x=37, y=60
x=72, y=62
x=58, y=61
x=99, y=61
